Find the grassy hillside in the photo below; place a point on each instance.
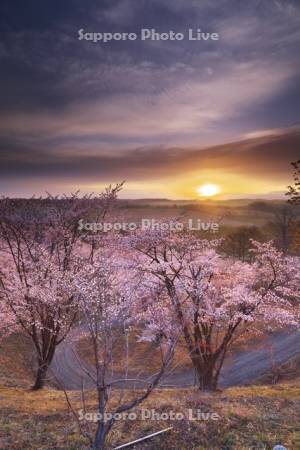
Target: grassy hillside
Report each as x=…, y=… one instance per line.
x=16, y=362
x=254, y=417
x=250, y=418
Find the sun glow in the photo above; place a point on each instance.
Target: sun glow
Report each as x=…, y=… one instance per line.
x=208, y=190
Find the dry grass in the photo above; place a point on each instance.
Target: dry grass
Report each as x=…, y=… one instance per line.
x=254, y=417
x=288, y=371
x=16, y=361
x=250, y=418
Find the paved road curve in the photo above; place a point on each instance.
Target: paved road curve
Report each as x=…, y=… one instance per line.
x=242, y=368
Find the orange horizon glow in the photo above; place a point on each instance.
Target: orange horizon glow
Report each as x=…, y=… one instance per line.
x=208, y=190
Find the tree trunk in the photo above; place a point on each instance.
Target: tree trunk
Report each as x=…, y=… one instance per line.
x=100, y=438
x=207, y=380
x=44, y=359
x=40, y=376
x=206, y=376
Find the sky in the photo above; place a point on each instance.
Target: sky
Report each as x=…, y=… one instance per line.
x=166, y=116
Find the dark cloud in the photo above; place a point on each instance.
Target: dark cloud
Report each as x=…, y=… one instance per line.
x=75, y=108
x=267, y=156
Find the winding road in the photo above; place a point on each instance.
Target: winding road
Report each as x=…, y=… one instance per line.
x=241, y=368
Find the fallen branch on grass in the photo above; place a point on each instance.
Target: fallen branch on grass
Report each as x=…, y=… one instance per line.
x=149, y=436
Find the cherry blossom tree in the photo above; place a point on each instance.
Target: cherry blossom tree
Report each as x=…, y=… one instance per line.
x=294, y=199
x=294, y=189
x=39, y=246
x=37, y=301
x=211, y=299
x=7, y=322
x=105, y=303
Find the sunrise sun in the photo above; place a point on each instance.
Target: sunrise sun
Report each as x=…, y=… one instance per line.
x=208, y=190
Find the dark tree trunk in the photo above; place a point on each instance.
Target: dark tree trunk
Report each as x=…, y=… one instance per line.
x=46, y=353
x=206, y=378
x=40, y=377
x=101, y=435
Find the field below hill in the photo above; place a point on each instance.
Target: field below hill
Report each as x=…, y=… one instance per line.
x=252, y=417
x=247, y=418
